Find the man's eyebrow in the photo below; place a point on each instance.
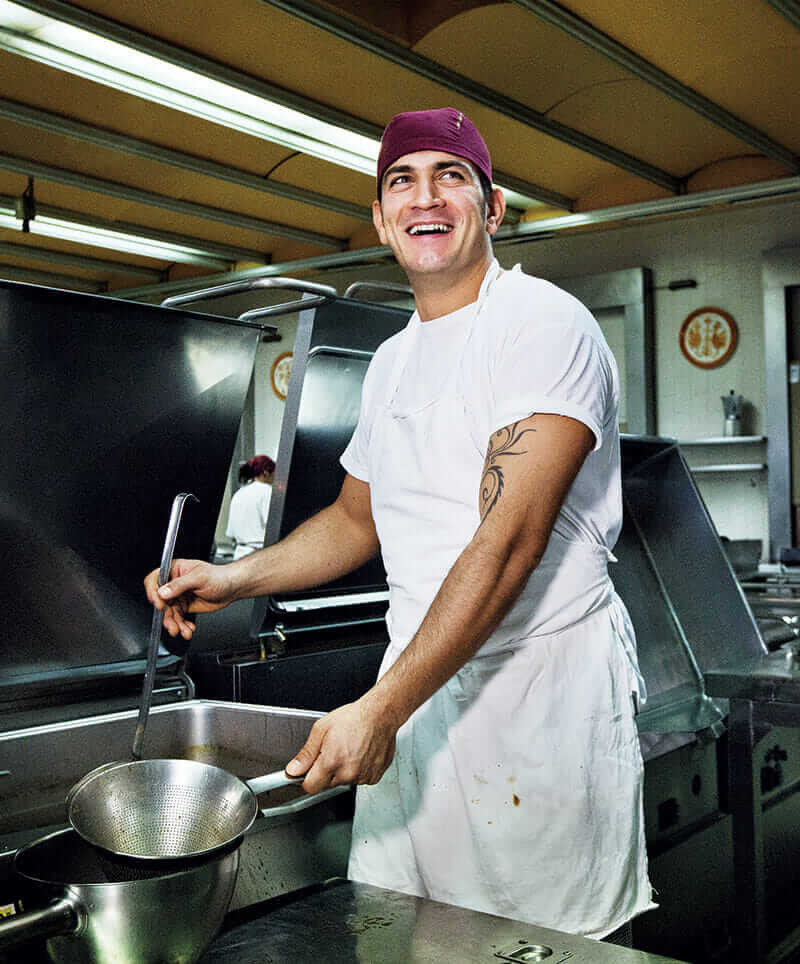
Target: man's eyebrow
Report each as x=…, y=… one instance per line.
x=438, y=166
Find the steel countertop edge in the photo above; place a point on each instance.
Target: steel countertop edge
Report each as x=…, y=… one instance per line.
x=344, y=922
x=771, y=678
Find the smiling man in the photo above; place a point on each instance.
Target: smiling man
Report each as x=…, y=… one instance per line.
x=497, y=754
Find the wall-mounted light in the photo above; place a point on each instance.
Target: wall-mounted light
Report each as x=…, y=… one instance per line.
x=64, y=230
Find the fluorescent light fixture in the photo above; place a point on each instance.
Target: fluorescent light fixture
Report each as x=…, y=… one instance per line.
x=78, y=51
x=112, y=240
x=81, y=52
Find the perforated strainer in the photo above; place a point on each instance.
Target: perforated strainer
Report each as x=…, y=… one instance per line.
x=165, y=809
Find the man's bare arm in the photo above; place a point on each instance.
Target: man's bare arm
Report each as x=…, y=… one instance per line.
x=335, y=541
x=528, y=471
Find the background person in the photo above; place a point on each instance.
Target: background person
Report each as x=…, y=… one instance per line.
x=249, y=508
x=497, y=754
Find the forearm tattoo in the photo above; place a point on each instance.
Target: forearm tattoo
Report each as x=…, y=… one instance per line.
x=505, y=442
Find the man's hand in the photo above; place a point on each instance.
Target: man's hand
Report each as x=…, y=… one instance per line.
x=194, y=587
x=353, y=744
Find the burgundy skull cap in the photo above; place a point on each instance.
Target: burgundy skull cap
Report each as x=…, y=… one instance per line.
x=443, y=129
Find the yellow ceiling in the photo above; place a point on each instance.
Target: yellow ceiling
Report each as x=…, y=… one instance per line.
x=586, y=128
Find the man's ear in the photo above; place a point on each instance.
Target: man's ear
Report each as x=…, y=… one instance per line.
x=377, y=220
x=496, y=209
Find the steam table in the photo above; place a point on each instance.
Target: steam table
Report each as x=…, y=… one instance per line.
x=762, y=693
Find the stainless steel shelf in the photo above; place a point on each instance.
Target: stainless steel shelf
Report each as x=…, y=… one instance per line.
x=724, y=440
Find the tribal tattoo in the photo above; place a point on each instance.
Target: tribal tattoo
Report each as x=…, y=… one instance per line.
x=506, y=441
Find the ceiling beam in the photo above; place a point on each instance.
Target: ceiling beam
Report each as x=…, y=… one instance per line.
x=570, y=23
x=85, y=182
x=223, y=253
x=85, y=263
x=206, y=67
x=789, y=9
x=11, y=272
x=544, y=229
x=124, y=144
x=395, y=53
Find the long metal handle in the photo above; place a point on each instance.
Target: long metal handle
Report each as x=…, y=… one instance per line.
x=302, y=803
x=63, y=916
x=158, y=620
x=272, y=781
x=324, y=293
x=321, y=293
x=391, y=286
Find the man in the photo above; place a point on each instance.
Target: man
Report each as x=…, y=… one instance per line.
x=497, y=755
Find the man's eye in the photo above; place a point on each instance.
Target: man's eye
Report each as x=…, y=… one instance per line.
x=398, y=179
x=453, y=173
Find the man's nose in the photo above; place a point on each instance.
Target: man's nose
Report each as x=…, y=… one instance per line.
x=426, y=193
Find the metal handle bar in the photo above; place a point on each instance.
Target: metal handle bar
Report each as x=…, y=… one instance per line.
x=272, y=781
x=358, y=286
x=66, y=915
x=158, y=619
x=324, y=293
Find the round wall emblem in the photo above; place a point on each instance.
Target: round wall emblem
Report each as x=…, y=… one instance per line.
x=279, y=375
x=708, y=337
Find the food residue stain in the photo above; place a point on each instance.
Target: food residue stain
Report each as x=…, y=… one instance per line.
x=516, y=800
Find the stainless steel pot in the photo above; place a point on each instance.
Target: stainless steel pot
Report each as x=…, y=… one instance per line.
x=168, y=918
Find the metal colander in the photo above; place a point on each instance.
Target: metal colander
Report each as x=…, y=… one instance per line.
x=161, y=809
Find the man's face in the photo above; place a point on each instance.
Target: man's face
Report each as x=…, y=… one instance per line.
x=433, y=215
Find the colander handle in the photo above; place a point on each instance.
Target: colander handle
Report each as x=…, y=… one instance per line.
x=272, y=781
x=303, y=803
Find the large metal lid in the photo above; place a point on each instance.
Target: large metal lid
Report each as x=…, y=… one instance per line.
x=686, y=605
x=108, y=410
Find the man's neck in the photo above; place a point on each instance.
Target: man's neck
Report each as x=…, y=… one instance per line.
x=435, y=296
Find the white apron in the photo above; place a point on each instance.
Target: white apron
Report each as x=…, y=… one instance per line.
x=516, y=789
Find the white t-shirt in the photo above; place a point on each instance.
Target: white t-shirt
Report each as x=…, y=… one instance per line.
x=533, y=348
x=247, y=517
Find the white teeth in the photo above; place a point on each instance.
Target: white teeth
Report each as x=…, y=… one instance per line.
x=429, y=229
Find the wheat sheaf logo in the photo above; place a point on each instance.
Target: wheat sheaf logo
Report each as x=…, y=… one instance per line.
x=708, y=337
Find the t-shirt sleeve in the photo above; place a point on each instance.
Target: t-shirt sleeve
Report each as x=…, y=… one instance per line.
x=554, y=369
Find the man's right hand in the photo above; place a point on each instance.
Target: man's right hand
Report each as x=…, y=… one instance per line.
x=194, y=587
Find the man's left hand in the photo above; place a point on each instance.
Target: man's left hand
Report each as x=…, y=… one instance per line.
x=353, y=744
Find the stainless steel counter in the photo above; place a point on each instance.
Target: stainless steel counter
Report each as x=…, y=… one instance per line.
x=349, y=923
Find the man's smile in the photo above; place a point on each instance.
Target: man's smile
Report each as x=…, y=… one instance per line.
x=430, y=228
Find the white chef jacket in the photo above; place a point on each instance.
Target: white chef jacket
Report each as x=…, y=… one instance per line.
x=516, y=789
x=247, y=517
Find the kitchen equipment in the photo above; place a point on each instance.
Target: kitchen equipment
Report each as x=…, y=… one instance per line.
x=158, y=621
x=298, y=840
x=166, y=919
x=166, y=809
x=732, y=406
